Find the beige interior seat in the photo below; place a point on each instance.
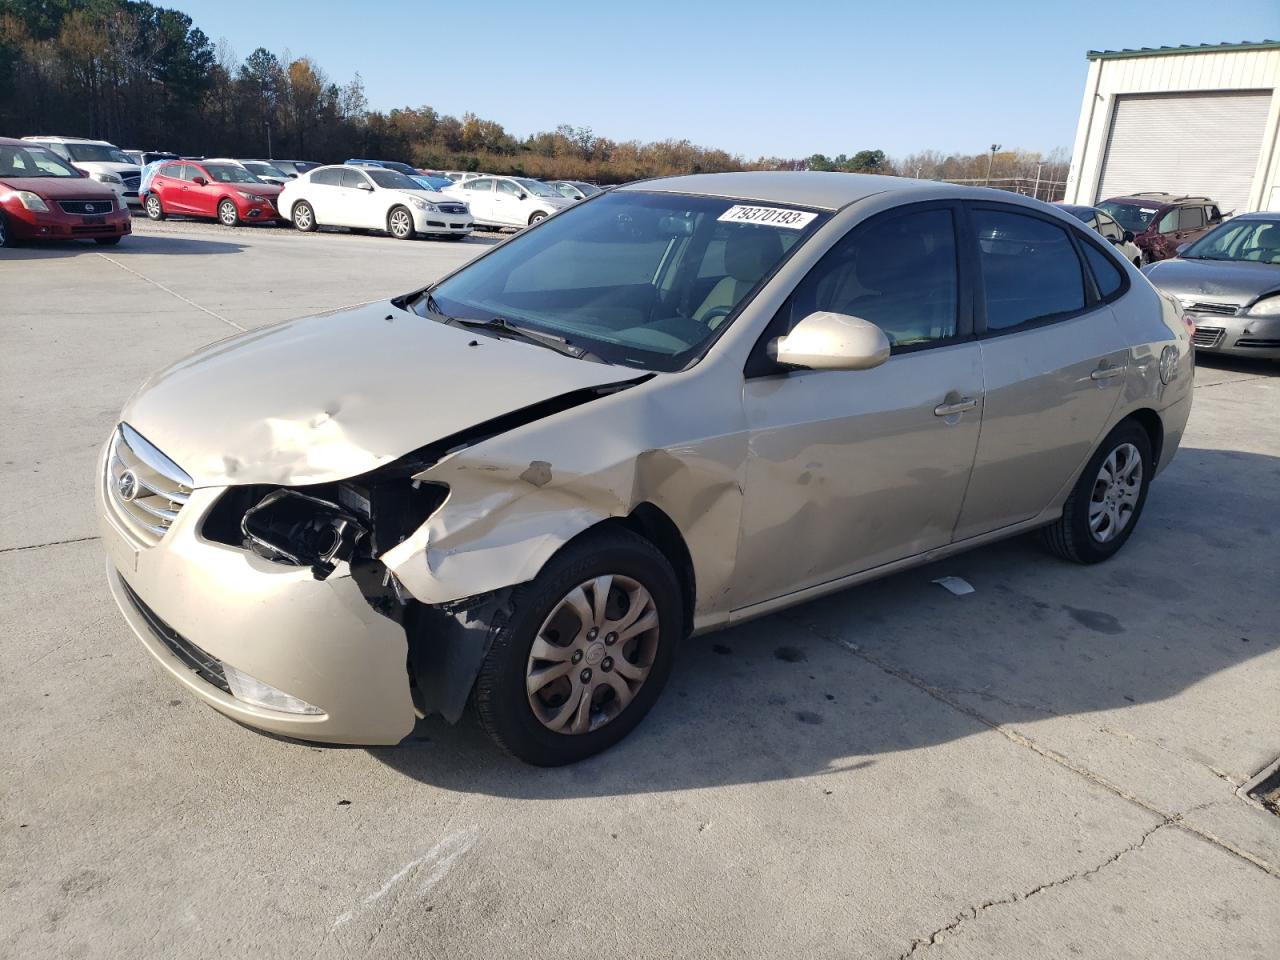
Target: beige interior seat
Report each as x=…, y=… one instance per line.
x=748, y=253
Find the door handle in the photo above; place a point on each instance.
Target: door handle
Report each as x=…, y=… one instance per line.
x=1106, y=373
x=960, y=406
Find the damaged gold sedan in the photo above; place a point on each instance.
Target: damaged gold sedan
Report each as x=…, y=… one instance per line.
x=672, y=407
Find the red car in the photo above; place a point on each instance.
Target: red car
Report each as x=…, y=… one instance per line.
x=42, y=197
x=1161, y=222
x=223, y=191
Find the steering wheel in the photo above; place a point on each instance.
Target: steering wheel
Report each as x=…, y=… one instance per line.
x=715, y=313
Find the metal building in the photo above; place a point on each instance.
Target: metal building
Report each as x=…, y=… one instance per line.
x=1191, y=120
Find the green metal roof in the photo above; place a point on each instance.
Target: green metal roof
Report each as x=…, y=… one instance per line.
x=1184, y=48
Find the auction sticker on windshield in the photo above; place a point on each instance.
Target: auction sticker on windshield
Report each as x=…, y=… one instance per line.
x=768, y=216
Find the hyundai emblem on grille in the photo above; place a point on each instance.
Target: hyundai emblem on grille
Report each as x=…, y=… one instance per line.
x=127, y=486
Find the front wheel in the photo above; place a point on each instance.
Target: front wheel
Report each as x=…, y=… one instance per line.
x=106, y=241
x=1106, y=502
x=7, y=238
x=304, y=218
x=400, y=223
x=585, y=651
x=228, y=215
x=155, y=210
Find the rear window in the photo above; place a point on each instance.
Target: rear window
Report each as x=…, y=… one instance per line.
x=330, y=176
x=1030, y=271
x=1106, y=274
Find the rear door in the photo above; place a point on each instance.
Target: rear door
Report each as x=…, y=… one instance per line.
x=170, y=186
x=1053, y=362
x=479, y=194
x=323, y=192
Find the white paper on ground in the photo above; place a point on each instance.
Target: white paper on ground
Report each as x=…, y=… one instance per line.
x=956, y=585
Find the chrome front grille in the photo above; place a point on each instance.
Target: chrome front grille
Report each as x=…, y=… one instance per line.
x=1206, y=336
x=145, y=488
x=456, y=208
x=1224, y=309
x=86, y=207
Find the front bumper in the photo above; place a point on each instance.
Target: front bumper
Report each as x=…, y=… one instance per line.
x=459, y=224
x=1257, y=337
x=57, y=225
x=318, y=640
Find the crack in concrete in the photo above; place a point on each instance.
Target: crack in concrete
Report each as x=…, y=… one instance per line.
x=972, y=913
x=1048, y=753
x=51, y=543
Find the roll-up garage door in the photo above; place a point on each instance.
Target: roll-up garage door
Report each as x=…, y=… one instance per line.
x=1198, y=144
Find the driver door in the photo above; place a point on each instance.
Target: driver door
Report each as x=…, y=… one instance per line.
x=851, y=470
x=509, y=204
x=355, y=200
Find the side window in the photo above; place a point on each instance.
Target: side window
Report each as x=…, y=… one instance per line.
x=899, y=271
x=1191, y=218
x=506, y=186
x=1214, y=214
x=353, y=178
x=479, y=183
x=1030, y=270
x=329, y=177
x=187, y=172
x=1168, y=223
x=1105, y=272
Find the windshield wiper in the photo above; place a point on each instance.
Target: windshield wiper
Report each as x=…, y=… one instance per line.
x=504, y=327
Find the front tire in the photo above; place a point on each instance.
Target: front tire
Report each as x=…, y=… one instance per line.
x=585, y=651
x=106, y=241
x=7, y=238
x=228, y=215
x=1106, y=502
x=154, y=208
x=304, y=218
x=400, y=223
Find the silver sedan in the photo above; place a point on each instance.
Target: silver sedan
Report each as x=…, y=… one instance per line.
x=670, y=408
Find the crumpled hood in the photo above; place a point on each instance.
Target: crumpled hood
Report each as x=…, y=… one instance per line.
x=1214, y=281
x=333, y=396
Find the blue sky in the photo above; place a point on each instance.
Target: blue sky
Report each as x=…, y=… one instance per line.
x=784, y=79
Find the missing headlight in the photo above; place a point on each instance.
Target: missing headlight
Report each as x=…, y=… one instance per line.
x=290, y=527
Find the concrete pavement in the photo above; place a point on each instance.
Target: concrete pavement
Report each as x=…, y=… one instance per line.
x=1047, y=767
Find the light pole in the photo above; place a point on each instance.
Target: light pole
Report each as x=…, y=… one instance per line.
x=990, y=160
x=1039, y=167
x=268, y=126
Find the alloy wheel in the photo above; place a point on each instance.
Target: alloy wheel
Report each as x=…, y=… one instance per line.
x=592, y=654
x=153, y=208
x=227, y=214
x=302, y=217
x=1115, y=493
x=401, y=225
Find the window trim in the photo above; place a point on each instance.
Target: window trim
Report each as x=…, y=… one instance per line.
x=1091, y=283
x=760, y=364
x=1091, y=299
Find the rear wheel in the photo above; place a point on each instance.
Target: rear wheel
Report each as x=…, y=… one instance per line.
x=584, y=652
x=400, y=223
x=1106, y=502
x=228, y=215
x=304, y=218
x=154, y=208
x=536, y=217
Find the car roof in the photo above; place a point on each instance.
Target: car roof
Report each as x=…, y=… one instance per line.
x=104, y=143
x=826, y=191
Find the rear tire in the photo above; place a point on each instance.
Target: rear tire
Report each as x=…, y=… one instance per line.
x=581, y=654
x=153, y=207
x=228, y=215
x=1104, y=506
x=400, y=223
x=539, y=215
x=304, y=218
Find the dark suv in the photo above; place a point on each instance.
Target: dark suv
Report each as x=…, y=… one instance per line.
x=1161, y=222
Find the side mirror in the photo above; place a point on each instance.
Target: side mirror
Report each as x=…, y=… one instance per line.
x=364, y=186
x=292, y=176
x=832, y=341
x=200, y=182
x=1128, y=236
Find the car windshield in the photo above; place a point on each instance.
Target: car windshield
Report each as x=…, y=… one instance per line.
x=538, y=188
x=1131, y=216
x=266, y=170
x=642, y=279
x=95, y=153
x=33, y=162
x=1246, y=241
x=390, y=180
x=425, y=183
x=225, y=173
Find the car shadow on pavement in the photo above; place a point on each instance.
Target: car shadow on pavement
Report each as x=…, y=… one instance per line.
x=132, y=245
x=838, y=683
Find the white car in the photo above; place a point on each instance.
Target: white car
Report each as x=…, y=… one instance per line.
x=372, y=199
x=103, y=161
x=509, y=201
